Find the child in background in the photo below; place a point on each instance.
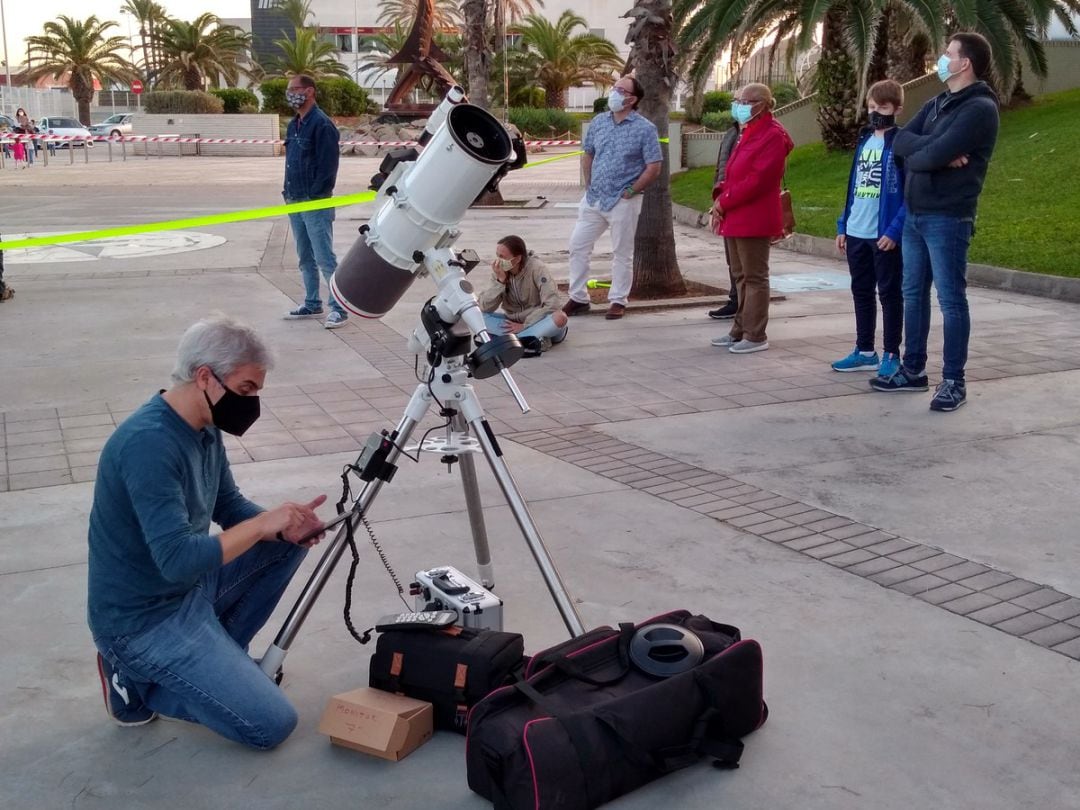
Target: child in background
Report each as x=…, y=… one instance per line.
x=869, y=230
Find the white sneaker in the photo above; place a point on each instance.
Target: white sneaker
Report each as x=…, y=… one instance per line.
x=748, y=346
x=723, y=341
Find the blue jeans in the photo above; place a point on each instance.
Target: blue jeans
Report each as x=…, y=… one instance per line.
x=935, y=252
x=313, y=232
x=195, y=666
x=543, y=328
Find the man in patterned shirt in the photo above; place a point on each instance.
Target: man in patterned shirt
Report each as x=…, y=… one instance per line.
x=622, y=158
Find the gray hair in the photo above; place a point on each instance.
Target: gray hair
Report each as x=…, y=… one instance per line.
x=222, y=344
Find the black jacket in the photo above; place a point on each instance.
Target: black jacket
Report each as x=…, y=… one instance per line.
x=948, y=126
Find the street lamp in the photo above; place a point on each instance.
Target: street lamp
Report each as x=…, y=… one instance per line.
x=6, y=101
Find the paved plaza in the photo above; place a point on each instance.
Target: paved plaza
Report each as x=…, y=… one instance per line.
x=913, y=577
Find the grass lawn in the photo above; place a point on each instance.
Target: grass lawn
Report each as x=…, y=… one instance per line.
x=1029, y=212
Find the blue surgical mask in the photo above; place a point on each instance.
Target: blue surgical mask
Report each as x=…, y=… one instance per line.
x=943, y=71
x=616, y=101
x=742, y=113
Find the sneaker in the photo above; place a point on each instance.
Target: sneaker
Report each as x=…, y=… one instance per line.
x=857, y=361
x=122, y=702
x=725, y=313
x=890, y=364
x=900, y=380
x=302, y=312
x=724, y=341
x=533, y=346
x=949, y=395
x=748, y=346
x=335, y=319
x=615, y=311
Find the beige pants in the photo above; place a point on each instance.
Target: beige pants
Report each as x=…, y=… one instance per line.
x=749, y=257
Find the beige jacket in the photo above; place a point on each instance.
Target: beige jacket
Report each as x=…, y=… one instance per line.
x=527, y=297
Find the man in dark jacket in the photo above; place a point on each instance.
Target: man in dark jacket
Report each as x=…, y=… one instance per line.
x=311, y=165
x=946, y=150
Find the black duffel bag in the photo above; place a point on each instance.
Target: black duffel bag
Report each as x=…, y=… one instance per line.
x=587, y=726
x=450, y=668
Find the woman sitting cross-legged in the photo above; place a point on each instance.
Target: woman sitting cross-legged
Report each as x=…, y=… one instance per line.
x=528, y=296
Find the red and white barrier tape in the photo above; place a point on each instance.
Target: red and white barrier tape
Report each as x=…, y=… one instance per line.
x=239, y=141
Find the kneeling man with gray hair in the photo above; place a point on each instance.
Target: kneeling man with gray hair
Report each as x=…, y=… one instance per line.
x=172, y=606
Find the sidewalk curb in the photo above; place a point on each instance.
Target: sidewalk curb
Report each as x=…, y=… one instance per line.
x=1059, y=288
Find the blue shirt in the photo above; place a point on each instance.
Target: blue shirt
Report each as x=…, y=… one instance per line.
x=620, y=154
x=862, y=222
x=159, y=484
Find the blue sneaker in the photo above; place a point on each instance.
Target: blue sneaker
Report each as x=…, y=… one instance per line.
x=857, y=361
x=890, y=364
x=335, y=319
x=303, y=311
x=122, y=701
x=901, y=380
x=949, y=396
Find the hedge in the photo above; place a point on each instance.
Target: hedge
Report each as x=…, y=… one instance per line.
x=235, y=99
x=182, y=101
x=335, y=97
x=543, y=122
x=717, y=120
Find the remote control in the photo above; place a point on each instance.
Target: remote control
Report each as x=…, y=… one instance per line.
x=423, y=620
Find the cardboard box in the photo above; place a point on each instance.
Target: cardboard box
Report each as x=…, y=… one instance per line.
x=378, y=723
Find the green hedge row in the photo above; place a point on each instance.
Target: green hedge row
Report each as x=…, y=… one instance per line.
x=543, y=122
x=335, y=97
x=182, y=101
x=236, y=99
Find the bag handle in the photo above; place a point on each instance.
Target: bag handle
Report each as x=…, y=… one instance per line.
x=572, y=669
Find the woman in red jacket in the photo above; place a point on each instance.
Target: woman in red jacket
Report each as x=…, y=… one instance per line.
x=746, y=212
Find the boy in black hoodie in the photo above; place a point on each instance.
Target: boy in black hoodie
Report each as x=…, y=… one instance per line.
x=945, y=150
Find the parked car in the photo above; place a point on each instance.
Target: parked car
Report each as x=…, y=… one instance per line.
x=66, y=127
x=114, y=126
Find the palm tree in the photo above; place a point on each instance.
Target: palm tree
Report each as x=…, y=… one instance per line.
x=559, y=58
x=151, y=16
x=656, y=266
x=305, y=54
x=204, y=51
x=850, y=39
x=296, y=12
x=447, y=16
x=477, y=53
x=502, y=13
x=82, y=50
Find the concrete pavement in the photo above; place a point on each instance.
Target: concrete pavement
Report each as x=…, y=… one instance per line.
x=912, y=576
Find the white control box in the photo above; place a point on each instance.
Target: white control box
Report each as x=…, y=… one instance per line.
x=446, y=588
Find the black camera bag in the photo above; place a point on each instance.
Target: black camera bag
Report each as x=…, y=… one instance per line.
x=450, y=668
x=586, y=726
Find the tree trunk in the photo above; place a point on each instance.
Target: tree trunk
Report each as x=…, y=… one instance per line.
x=477, y=61
x=656, y=265
x=193, y=79
x=878, y=68
x=554, y=97
x=145, y=53
x=837, y=86
x=83, y=93
x=906, y=50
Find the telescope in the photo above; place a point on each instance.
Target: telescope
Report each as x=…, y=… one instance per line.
x=422, y=199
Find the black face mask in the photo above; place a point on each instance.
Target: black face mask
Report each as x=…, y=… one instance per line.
x=233, y=413
x=879, y=121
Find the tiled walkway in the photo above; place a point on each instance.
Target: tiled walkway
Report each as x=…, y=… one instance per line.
x=49, y=447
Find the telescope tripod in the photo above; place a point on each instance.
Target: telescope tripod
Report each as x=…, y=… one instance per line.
x=468, y=434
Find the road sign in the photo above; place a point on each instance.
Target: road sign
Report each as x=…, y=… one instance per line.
x=136, y=87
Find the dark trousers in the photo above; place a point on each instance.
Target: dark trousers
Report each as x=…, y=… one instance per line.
x=733, y=290
x=881, y=270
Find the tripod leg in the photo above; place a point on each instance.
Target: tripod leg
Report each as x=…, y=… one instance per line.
x=476, y=510
x=474, y=416
x=276, y=652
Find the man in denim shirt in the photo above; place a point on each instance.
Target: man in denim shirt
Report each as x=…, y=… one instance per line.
x=311, y=165
x=171, y=604
x=622, y=158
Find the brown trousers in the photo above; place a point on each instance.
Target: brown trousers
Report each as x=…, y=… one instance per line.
x=749, y=263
